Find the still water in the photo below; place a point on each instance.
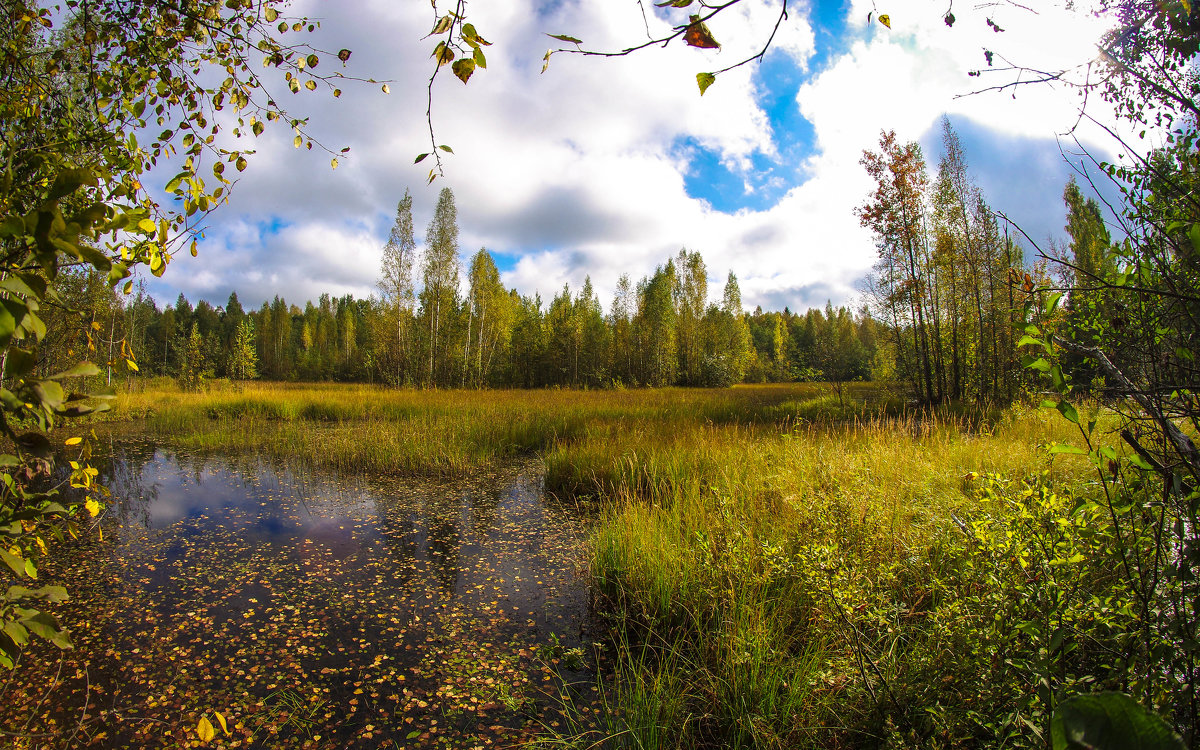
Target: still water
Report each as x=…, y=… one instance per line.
x=313, y=610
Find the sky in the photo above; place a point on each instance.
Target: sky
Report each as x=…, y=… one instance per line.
x=607, y=166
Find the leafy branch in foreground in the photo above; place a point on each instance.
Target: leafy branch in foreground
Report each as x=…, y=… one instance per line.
x=456, y=39
x=86, y=87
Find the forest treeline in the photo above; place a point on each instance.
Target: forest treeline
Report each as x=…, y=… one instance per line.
x=942, y=312
x=661, y=331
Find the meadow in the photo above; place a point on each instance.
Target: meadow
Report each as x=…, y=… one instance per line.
x=773, y=566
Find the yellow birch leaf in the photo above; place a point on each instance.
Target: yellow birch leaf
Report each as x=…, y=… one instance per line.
x=221, y=720
x=204, y=729
x=886, y=20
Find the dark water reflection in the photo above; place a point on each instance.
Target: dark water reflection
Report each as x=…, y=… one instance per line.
x=316, y=610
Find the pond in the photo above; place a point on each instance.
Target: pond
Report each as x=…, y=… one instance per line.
x=314, y=611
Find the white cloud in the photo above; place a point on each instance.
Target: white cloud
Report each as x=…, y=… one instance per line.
x=578, y=171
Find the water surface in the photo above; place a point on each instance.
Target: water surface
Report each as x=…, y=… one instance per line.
x=314, y=610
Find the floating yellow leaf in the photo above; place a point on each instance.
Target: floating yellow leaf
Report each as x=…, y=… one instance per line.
x=221, y=720
x=73, y=441
x=204, y=729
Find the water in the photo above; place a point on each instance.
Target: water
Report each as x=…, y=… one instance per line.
x=315, y=610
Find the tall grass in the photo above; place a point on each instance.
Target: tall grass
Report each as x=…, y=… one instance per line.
x=767, y=556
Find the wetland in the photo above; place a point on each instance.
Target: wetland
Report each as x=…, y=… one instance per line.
x=315, y=609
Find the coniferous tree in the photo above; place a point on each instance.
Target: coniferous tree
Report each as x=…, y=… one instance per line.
x=596, y=338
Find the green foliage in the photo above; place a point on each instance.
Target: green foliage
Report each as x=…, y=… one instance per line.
x=86, y=112
x=192, y=366
x=946, y=280
x=243, y=358
x=1109, y=721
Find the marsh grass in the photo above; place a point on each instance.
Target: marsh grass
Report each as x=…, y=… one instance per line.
x=767, y=556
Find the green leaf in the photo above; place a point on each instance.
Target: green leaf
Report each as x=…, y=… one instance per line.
x=81, y=370
x=1074, y=559
x=8, y=325
x=443, y=53
x=447, y=149
x=16, y=632
x=15, y=562
x=1059, y=448
x=565, y=38
x=70, y=180
x=175, y=182
x=1140, y=462
x=1109, y=721
x=36, y=444
x=479, y=58
x=704, y=80
x=463, y=68
x=19, y=361
x=1056, y=377
x=53, y=594
x=1064, y=407
x=13, y=225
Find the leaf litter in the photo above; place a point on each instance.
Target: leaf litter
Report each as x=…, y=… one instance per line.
x=300, y=610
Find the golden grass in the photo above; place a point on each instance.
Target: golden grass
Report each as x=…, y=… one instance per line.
x=718, y=505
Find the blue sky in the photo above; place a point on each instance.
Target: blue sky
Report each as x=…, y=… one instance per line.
x=607, y=166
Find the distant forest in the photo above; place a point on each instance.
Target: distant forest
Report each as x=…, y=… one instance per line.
x=661, y=331
x=945, y=306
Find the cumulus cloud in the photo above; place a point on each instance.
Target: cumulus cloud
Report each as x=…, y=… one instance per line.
x=579, y=171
